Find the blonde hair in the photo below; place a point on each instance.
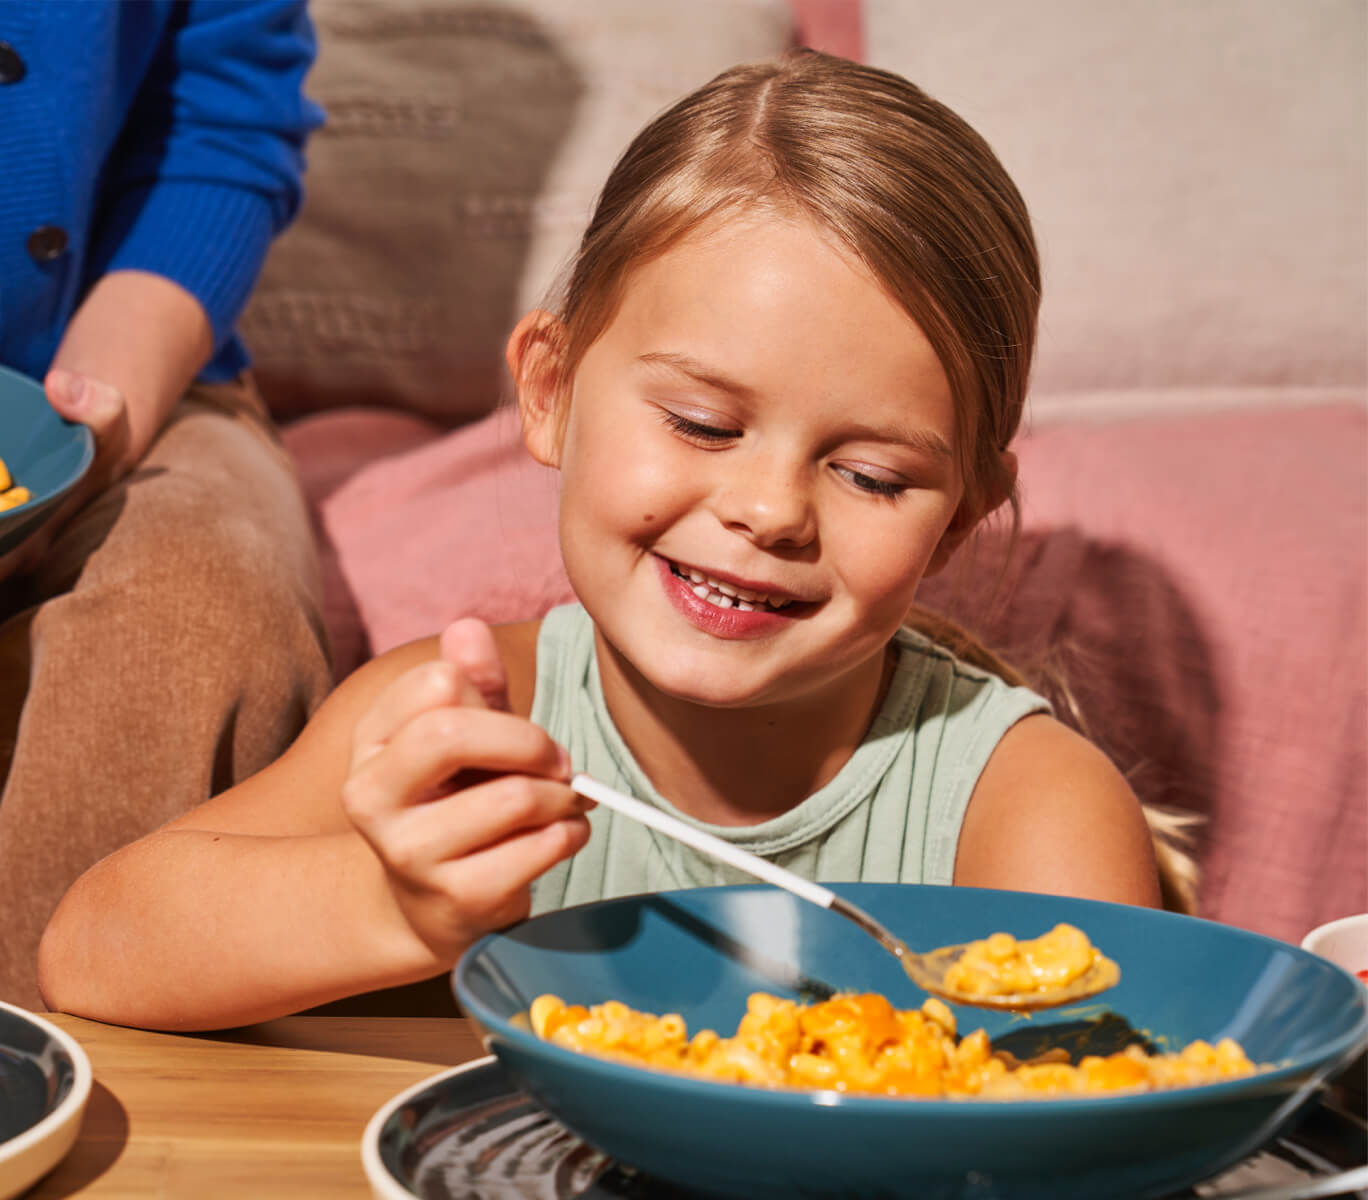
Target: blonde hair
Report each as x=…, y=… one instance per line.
x=907, y=186
x=902, y=181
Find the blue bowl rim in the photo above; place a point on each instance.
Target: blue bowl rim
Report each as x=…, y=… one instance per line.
x=1283, y=1078
x=87, y=439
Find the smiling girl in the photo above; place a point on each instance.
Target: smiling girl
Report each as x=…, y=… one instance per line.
x=780, y=387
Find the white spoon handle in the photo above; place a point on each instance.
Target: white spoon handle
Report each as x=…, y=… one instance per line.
x=743, y=860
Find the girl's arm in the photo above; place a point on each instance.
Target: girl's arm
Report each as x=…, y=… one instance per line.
x=406, y=821
x=1051, y=813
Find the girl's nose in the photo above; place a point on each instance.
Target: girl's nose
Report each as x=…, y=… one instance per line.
x=770, y=505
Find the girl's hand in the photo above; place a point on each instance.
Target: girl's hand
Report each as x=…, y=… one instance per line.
x=463, y=802
x=102, y=408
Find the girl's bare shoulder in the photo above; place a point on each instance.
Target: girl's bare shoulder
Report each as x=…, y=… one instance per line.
x=1051, y=813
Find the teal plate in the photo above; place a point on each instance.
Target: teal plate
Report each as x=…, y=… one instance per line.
x=701, y=952
x=470, y=1134
x=43, y=452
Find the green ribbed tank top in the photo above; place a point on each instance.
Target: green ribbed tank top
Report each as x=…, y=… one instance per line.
x=891, y=814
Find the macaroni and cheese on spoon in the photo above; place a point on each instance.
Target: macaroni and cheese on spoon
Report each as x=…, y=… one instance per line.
x=1059, y=967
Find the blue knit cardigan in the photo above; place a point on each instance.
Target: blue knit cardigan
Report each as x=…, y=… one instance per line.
x=157, y=135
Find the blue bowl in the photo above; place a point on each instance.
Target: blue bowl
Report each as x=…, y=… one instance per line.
x=701, y=952
x=43, y=452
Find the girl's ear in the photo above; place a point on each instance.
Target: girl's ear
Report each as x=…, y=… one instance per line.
x=968, y=515
x=536, y=357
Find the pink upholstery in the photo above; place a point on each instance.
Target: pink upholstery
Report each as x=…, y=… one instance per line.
x=836, y=26
x=328, y=449
x=1213, y=635
x=464, y=525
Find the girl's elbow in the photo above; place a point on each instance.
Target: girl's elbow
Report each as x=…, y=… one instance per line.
x=54, y=977
x=66, y=976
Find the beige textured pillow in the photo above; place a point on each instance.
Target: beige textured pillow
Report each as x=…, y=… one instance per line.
x=464, y=149
x=1196, y=171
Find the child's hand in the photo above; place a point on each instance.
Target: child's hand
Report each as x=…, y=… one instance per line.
x=102, y=407
x=464, y=803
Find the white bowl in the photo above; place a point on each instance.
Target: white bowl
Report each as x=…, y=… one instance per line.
x=1343, y=942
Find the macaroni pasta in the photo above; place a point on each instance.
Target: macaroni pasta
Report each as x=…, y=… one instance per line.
x=862, y=1044
x=1001, y=965
x=11, y=495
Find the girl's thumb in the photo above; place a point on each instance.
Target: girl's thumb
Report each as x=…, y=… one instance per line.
x=469, y=644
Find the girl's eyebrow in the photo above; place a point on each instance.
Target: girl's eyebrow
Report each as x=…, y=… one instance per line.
x=924, y=441
x=699, y=371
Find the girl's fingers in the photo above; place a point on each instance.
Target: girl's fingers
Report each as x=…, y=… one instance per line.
x=473, y=820
x=432, y=685
x=437, y=744
x=469, y=644
x=489, y=888
x=464, y=803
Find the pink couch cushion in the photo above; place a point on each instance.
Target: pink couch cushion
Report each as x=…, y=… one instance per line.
x=329, y=448
x=463, y=525
x=1202, y=579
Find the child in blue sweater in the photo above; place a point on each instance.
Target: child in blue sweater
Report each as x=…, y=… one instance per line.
x=160, y=634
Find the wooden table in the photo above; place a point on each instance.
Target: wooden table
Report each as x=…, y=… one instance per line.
x=272, y=1110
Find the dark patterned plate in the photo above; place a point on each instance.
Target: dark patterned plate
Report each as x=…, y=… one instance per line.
x=469, y=1134
x=44, y=1085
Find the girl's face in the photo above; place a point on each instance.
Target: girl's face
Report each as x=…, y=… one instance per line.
x=757, y=469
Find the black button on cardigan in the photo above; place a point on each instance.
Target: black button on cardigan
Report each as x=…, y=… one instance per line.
x=47, y=242
x=12, y=68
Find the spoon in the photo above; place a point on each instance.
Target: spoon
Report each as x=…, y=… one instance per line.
x=926, y=970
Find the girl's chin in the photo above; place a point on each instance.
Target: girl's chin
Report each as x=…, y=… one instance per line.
x=714, y=701
x=706, y=683
x=674, y=677
x=738, y=676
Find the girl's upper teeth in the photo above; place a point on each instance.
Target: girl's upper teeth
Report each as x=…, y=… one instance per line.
x=725, y=594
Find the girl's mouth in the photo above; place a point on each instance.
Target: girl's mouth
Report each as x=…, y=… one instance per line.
x=726, y=595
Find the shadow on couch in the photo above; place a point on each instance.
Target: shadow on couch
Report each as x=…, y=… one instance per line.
x=1102, y=630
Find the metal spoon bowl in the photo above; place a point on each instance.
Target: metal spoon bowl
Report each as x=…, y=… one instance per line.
x=927, y=970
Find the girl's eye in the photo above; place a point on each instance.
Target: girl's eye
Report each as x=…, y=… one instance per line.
x=696, y=429
x=872, y=484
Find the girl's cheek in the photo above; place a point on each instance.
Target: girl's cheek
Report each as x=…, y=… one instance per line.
x=881, y=560
x=642, y=471
x=617, y=494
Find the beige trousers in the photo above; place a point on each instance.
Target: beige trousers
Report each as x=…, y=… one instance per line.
x=168, y=645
